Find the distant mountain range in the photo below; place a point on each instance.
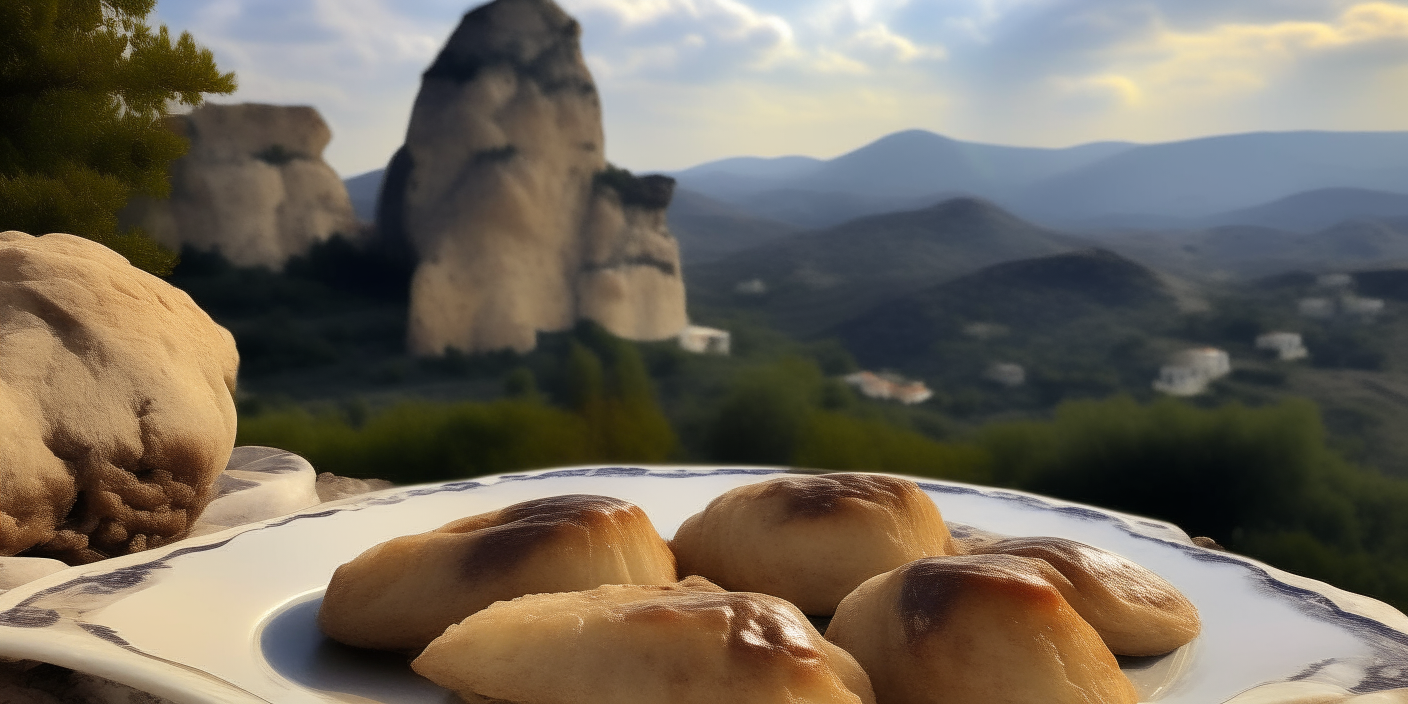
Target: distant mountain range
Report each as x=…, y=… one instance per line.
x=1092, y=185
x=810, y=281
x=1316, y=210
x=1231, y=252
x=708, y=229
x=1242, y=205
x=364, y=189
x=1083, y=302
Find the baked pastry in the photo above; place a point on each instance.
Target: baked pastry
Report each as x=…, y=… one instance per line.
x=976, y=630
x=810, y=539
x=404, y=593
x=1135, y=611
x=690, y=643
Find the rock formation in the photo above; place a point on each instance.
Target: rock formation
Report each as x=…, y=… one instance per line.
x=502, y=194
x=258, y=483
x=116, y=407
x=253, y=185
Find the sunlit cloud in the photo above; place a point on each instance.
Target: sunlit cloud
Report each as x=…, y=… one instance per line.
x=878, y=40
x=685, y=81
x=685, y=40
x=1240, y=59
x=1121, y=89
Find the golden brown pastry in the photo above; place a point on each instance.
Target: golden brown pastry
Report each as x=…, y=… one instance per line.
x=403, y=593
x=1134, y=610
x=690, y=643
x=811, y=539
x=976, y=630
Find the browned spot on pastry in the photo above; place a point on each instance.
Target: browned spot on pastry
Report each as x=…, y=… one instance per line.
x=756, y=626
x=525, y=525
x=1122, y=577
x=817, y=496
x=576, y=508
x=932, y=587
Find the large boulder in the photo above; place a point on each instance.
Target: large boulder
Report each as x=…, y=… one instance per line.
x=253, y=185
x=116, y=407
x=502, y=194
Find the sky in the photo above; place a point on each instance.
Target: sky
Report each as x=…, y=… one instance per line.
x=688, y=81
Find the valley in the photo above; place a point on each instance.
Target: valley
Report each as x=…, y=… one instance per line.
x=1023, y=330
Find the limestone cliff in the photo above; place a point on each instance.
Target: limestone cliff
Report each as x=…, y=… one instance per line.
x=253, y=185
x=503, y=196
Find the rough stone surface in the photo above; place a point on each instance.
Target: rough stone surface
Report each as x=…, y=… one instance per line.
x=258, y=483
x=116, y=408
x=253, y=185
x=334, y=488
x=503, y=195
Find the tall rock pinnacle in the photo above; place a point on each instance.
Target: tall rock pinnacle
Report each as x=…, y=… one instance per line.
x=503, y=195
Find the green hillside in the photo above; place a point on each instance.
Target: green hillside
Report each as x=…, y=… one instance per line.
x=708, y=229
x=325, y=374
x=816, y=280
x=1081, y=324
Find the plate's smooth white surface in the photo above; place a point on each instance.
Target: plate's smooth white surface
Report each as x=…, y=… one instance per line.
x=228, y=617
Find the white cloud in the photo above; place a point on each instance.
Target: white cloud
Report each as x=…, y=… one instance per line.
x=1242, y=59
x=684, y=79
x=357, y=61
x=880, y=42
x=685, y=40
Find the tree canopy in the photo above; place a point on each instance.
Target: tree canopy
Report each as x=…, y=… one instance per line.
x=84, y=85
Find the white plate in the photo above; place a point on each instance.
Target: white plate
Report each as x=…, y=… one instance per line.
x=228, y=617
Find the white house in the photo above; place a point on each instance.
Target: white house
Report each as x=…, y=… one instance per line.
x=1316, y=307
x=751, y=287
x=1362, y=307
x=1180, y=381
x=984, y=331
x=1006, y=374
x=1190, y=371
x=1333, y=280
x=1347, y=304
x=1286, y=345
x=889, y=387
x=701, y=340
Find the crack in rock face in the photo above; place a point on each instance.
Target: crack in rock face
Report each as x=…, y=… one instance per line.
x=504, y=197
x=116, y=402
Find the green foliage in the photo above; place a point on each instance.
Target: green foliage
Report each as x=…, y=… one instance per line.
x=840, y=442
x=762, y=419
x=609, y=415
x=520, y=383
x=1211, y=471
x=1258, y=480
x=83, y=87
x=586, y=380
x=653, y=191
x=789, y=413
x=421, y=442
x=608, y=386
x=1345, y=348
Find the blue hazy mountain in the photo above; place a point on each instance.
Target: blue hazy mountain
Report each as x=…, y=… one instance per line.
x=709, y=229
x=809, y=281
x=1201, y=177
x=1274, y=183
x=1091, y=185
x=1318, y=209
x=908, y=164
x=363, y=189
